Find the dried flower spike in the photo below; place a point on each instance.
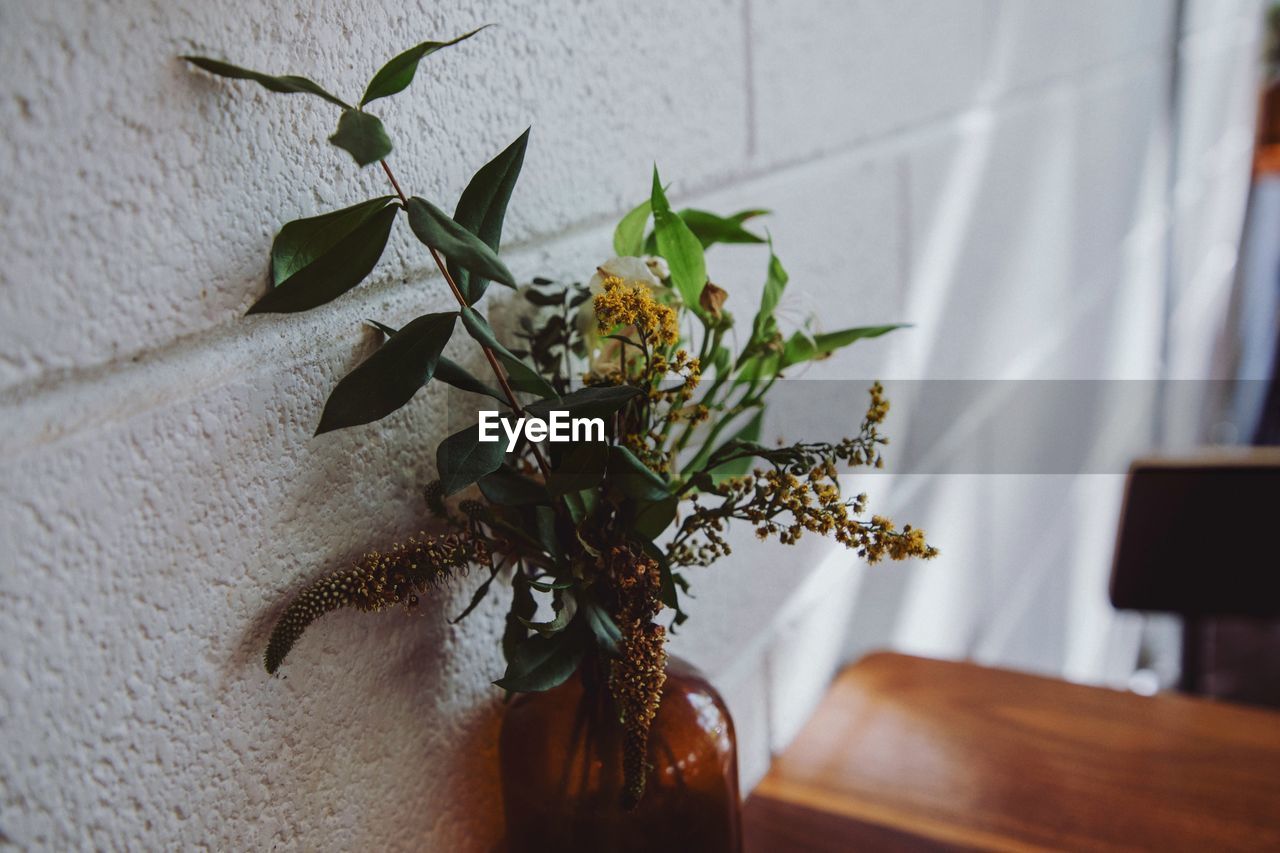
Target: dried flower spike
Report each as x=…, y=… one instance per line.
x=375, y=582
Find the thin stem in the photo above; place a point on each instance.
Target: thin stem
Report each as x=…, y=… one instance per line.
x=498, y=372
x=394, y=183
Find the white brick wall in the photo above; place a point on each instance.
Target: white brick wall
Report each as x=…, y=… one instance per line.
x=993, y=170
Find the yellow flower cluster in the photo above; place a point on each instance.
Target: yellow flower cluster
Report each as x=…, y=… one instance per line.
x=815, y=505
x=622, y=304
x=376, y=581
x=801, y=493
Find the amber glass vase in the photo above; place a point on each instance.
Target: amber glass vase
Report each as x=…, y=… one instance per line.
x=562, y=781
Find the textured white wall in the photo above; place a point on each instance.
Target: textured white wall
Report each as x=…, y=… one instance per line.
x=993, y=170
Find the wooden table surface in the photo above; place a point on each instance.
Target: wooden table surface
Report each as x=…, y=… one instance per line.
x=906, y=753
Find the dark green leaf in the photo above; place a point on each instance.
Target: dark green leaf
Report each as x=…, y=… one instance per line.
x=592, y=402
x=523, y=606
x=463, y=458
x=436, y=229
x=521, y=376
x=580, y=504
x=606, y=631
x=286, y=84
x=582, y=466
x=801, y=347
x=681, y=249
x=557, y=624
x=628, y=237
x=477, y=596
x=551, y=586
x=653, y=518
x=553, y=299
x=545, y=522
x=362, y=136
x=397, y=74
x=390, y=377
x=482, y=209
x=633, y=478
x=516, y=530
x=452, y=373
x=541, y=663
x=316, y=260
x=710, y=228
x=304, y=241
x=508, y=487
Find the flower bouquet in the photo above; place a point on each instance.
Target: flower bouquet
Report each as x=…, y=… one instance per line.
x=617, y=434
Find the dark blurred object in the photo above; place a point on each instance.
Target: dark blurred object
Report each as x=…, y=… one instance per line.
x=1195, y=540
x=1267, y=158
x=1258, y=403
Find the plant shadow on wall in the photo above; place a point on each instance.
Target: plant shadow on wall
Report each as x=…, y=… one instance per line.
x=661, y=391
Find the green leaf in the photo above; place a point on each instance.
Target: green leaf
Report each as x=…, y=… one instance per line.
x=580, y=504
x=523, y=606
x=628, y=237
x=316, y=260
x=581, y=467
x=452, y=373
x=721, y=361
x=801, y=347
x=681, y=249
x=551, y=586
x=750, y=432
x=545, y=523
x=653, y=518
x=390, y=377
x=761, y=365
x=397, y=74
x=463, y=458
x=557, y=624
x=710, y=228
x=764, y=326
x=593, y=402
x=362, y=136
x=305, y=241
x=743, y=215
x=633, y=478
x=482, y=209
x=606, y=631
x=521, y=376
x=541, y=663
x=286, y=84
x=554, y=299
x=477, y=596
x=508, y=487
x=434, y=228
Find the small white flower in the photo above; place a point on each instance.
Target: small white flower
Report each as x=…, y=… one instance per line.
x=658, y=266
x=633, y=271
